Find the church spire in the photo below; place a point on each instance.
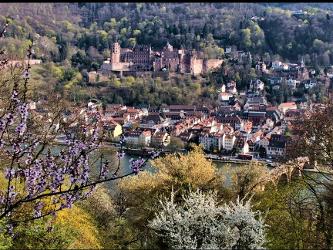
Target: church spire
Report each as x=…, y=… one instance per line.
x=302, y=62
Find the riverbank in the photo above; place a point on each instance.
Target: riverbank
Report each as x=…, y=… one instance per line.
x=145, y=152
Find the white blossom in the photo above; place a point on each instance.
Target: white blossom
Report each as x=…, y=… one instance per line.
x=201, y=223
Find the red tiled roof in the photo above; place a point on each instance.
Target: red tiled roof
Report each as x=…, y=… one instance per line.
x=287, y=104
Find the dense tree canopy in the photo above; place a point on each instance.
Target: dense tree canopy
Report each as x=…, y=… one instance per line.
x=96, y=25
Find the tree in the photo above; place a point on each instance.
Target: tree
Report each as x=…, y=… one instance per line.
x=262, y=152
x=312, y=138
x=200, y=223
x=319, y=46
x=182, y=172
x=132, y=41
x=81, y=60
x=63, y=47
x=175, y=144
x=325, y=58
x=291, y=216
x=72, y=228
x=37, y=178
x=246, y=38
x=327, y=198
x=246, y=179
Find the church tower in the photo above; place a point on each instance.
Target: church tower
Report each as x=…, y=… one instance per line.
x=302, y=62
x=223, y=88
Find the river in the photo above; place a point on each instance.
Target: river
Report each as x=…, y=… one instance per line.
x=125, y=167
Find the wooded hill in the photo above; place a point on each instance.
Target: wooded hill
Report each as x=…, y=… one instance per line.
x=62, y=29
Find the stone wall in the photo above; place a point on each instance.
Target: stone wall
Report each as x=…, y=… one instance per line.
x=94, y=76
x=196, y=66
x=211, y=64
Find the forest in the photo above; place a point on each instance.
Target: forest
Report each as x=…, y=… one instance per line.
x=86, y=30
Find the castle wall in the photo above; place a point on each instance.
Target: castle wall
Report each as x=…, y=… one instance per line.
x=93, y=75
x=114, y=68
x=157, y=64
x=196, y=66
x=122, y=66
x=211, y=64
x=106, y=68
x=23, y=62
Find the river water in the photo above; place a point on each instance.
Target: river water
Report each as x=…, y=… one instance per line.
x=126, y=168
x=125, y=164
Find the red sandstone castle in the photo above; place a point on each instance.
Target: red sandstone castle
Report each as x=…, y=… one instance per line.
x=141, y=58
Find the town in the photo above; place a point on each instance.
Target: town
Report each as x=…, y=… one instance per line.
x=242, y=125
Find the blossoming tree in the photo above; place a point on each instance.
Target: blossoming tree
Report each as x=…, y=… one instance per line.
x=40, y=177
x=201, y=223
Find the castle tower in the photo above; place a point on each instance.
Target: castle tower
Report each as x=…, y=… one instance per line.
x=115, y=53
x=181, y=66
x=192, y=60
x=168, y=47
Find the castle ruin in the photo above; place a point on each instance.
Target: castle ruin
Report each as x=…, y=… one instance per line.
x=142, y=58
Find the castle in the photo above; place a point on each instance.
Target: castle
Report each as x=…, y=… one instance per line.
x=142, y=58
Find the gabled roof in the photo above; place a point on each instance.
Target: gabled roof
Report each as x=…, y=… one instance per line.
x=288, y=105
x=146, y=133
x=133, y=110
x=153, y=116
x=159, y=134
x=120, y=120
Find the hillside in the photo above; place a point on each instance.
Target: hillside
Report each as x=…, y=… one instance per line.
x=92, y=27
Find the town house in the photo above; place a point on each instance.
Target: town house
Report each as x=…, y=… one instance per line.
x=160, y=139
x=228, y=141
x=211, y=141
x=277, y=145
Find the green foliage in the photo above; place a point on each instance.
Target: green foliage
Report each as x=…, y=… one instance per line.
x=106, y=216
x=60, y=37
x=155, y=91
x=206, y=26
x=213, y=52
x=290, y=215
x=175, y=144
x=81, y=60
x=72, y=228
x=14, y=47
x=36, y=235
x=246, y=179
x=246, y=38
x=5, y=240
